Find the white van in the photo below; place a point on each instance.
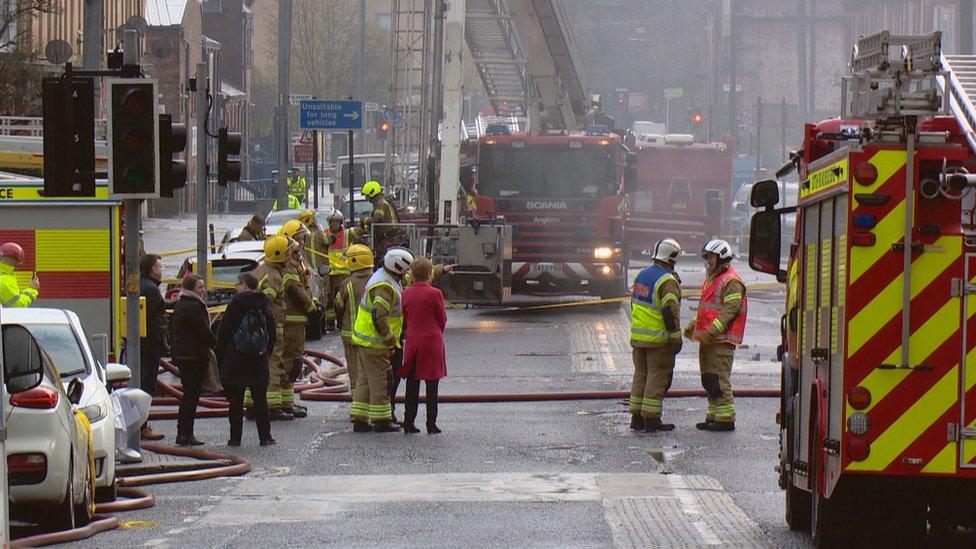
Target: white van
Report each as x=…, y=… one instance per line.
x=369, y=167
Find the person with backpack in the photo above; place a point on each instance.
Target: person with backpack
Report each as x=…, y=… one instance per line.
x=245, y=340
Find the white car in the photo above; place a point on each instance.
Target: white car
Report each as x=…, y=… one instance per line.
x=62, y=337
x=48, y=453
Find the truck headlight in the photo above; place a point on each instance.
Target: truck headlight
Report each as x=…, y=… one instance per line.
x=603, y=252
x=95, y=412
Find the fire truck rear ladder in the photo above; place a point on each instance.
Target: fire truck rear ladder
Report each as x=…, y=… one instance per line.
x=896, y=80
x=960, y=86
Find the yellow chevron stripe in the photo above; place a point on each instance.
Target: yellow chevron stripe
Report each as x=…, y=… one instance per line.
x=887, y=163
x=911, y=424
x=890, y=229
x=85, y=250
x=923, y=342
x=887, y=303
x=943, y=462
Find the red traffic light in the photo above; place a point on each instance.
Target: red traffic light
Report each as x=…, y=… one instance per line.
x=133, y=135
x=697, y=118
x=384, y=126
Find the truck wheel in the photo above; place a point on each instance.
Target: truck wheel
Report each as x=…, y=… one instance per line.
x=825, y=526
x=797, y=509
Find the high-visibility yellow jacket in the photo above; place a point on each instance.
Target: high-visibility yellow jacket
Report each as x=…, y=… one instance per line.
x=654, y=289
x=382, y=295
x=10, y=293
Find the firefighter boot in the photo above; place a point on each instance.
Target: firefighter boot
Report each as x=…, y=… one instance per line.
x=721, y=426
x=280, y=415
x=705, y=425
x=654, y=424
x=361, y=427
x=385, y=427
x=636, y=422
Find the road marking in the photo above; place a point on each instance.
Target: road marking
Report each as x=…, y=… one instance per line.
x=640, y=509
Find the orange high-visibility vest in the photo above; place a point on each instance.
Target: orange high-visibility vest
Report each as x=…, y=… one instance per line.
x=710, y=306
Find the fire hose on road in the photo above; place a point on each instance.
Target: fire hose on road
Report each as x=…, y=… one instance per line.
x=133, y=498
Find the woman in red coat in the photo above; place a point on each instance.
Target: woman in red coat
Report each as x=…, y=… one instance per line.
x=424, y=357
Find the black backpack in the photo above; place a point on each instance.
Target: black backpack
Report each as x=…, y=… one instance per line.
x=251, y=336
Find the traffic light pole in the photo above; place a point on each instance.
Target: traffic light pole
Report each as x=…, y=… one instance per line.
x=133, y=230
x=315, y=168
x=202, y=179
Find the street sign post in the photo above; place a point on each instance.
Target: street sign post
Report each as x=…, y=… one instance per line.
x=324, y=114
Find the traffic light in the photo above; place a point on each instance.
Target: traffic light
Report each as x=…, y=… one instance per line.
x=697, y=119
x=172, y=141
x=228, y=169
x=383, y=128
x=69, y=139
x=133, y=131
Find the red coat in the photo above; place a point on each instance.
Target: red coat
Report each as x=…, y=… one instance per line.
x=425, y=318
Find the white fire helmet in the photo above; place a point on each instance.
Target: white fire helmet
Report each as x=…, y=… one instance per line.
x=718, y=247
x=397, y=260
x=667, y=250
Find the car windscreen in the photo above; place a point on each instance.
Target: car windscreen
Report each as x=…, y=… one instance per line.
x=60, y=343
x=546, y=172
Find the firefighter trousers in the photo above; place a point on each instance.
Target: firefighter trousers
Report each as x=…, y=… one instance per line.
x=292, y=354
x=715, y=362
x=277, y=373
x=329, y=296
x=352, y=362
x=371, y=401
x=653, y=372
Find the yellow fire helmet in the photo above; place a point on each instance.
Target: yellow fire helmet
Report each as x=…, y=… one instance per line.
x=359, y=257
x=307, y=217
x=293, y=228
x=372, y=189
x=276, y=248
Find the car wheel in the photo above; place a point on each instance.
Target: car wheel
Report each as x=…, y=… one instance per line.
x=85, y=511
x=62, y=517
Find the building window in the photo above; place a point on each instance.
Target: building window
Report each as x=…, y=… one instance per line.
x=213, y=6
x=384, y=20
x=8, y=26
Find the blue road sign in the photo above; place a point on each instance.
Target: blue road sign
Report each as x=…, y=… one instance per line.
x=324, y=114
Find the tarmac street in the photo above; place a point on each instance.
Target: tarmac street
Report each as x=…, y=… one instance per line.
x=566, y=474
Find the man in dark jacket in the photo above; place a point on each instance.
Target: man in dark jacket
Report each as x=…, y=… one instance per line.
x=241, y=368
x=151, y=347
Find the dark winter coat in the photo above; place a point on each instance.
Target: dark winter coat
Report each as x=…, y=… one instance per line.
x=152, y=344
x=425, y=317
x=190, y=335
x=238, y=369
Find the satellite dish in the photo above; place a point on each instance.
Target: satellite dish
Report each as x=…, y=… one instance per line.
x=58, y=52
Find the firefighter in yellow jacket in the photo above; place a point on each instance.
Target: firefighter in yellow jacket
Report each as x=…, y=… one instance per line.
x=271, y=284
x=12, y=255
x=337, y=240
x=655, y=335
x=359, y=261
x=383, y=213
x=298, y=306
x=718, y=328
x=376, y=333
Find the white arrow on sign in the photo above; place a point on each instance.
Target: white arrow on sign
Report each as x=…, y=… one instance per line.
x=354, y=115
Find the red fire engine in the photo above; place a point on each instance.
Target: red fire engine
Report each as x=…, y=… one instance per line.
x=561, y=194
x=683, y=190
x=878, y=413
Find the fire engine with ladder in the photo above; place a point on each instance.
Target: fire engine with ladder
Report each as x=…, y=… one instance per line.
x=878, y=407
